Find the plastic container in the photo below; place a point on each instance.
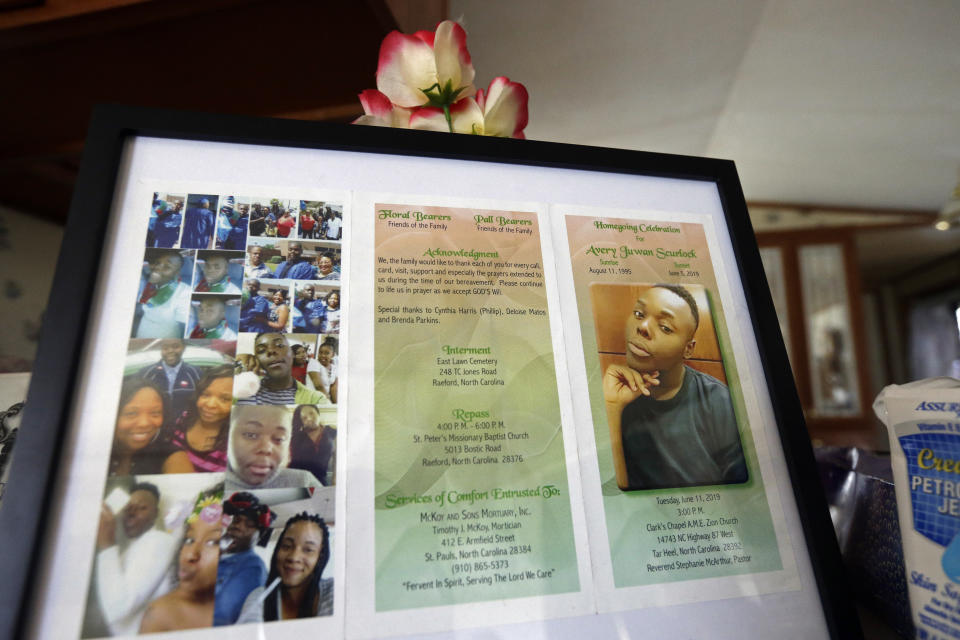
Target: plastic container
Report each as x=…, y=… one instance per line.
x=923, y=423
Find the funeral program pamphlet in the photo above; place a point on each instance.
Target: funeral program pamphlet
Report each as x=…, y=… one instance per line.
x=376, y=414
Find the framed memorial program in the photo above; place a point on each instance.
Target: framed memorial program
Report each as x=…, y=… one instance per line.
x=307, y=379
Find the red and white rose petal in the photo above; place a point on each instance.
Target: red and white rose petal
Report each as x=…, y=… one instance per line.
x=380, y=112
x=410, y=64
x=505, y=108
x=453, y=59
x=465, y=116
x=407, y=65
x=428, y=119
x=376, y=104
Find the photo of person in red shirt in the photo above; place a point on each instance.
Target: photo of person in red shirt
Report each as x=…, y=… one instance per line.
x=307, y=224
x=285, y=225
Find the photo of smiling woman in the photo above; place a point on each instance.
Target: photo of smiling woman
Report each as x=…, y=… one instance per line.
x=295, y=585
x=199, y=437
x=137, y=446
x=279, y=311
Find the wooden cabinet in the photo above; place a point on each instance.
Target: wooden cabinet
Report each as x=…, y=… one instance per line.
x=815, y=283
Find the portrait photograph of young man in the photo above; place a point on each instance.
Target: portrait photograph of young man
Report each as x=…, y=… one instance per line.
x=668, y=408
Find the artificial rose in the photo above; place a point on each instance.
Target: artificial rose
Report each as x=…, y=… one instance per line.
x=426, y=68
x=502, y=112
x=380, y=112
x=504, y=108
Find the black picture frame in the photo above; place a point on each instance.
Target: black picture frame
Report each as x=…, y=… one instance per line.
x=25, y=516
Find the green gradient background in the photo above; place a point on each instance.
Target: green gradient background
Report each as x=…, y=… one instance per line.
x=628, y=512
x=406, y=403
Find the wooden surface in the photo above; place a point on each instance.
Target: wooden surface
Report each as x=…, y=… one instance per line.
x=855, y=430
x=301, y=59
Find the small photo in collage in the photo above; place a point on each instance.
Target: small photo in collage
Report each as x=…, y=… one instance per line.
x=156, y=556
x=273, y=218
x=232, y=223
x=266, y=306
x=315, y=362
x=174, y=409
x=316, y=308
x=320, y=220
x=276, y=550
x=269, y=258
x=288, y=369
x=214, y=316
x=163, y=297
x=199, y=221
x=219, y=272
x=275, y=446
x=166, y=217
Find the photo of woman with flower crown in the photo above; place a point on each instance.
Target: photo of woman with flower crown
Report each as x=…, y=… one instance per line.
x=189, y=604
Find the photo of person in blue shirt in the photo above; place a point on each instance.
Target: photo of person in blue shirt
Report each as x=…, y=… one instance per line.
x=296, y=266
x=166, y=215
x=254, y=309
x=199, y=222
x=240, y=569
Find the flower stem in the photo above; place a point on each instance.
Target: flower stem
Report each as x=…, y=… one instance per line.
x=446, y=113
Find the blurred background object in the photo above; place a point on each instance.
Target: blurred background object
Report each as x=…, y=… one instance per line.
x=13, y=389
x=863, y=506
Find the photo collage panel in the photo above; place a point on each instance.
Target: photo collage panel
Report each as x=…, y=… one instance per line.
x=223, y=460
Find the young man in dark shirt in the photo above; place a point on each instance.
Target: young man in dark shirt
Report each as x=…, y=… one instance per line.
x=240, y=569
x=275, y=358
x=670, y=425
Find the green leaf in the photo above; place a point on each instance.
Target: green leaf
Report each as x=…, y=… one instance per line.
x=444, y=96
